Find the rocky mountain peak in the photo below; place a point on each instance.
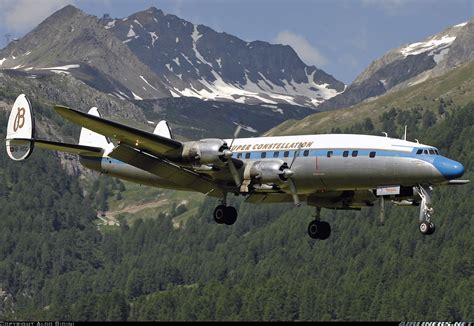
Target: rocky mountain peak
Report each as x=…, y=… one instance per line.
x=410, y=64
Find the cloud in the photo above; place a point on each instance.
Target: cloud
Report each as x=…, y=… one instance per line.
x=308, y=53
x=20, y=16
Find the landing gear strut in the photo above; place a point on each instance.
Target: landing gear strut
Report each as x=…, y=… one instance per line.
x=224, y=214
x=318, y=229
x=427, y=227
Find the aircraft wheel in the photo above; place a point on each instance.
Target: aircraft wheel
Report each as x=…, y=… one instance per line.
x=219, y=214
x=230, y=215
x=432, y=228
x=427, y=228
x=324, y=230
x=313, y=229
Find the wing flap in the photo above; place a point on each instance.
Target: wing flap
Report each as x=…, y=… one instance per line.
x=167, y=170
x=136, y=138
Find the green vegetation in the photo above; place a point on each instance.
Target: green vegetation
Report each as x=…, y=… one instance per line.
x=55, y=264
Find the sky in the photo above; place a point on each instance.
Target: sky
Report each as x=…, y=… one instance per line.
x=341, y=37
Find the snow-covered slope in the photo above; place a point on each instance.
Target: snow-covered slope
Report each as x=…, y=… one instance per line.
x=410, y=64
x=196, y=61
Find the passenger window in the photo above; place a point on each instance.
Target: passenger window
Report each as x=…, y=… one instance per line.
x=306, y=153
x=372, y=154
x=418, y=152
x=354, y=153
x=276, y=154
x=286, y=154
x=264, y=154
x=345, y=153
x=239, y=155
x=329, y=154
x=425, y=151
x=432, y=151
x=247, y=155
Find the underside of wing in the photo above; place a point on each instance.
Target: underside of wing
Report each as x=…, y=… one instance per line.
x=168, y=170
x=135, y=138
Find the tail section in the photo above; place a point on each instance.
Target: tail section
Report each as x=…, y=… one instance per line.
x=91, y=138
x=163, y=129
x=20, y=130
x=21, y=140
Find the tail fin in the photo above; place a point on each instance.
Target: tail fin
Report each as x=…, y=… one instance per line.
x=163, y=129
x=91, y=138
x=20, y=130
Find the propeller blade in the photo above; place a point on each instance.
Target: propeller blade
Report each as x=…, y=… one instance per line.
x=233, y=171
x=297, y=153
x=294, y=192
x=236, y=133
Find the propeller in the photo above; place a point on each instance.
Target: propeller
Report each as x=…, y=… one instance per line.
x=287, y=175
x=227, y=154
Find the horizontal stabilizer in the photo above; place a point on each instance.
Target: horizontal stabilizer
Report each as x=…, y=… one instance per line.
x=62, y=147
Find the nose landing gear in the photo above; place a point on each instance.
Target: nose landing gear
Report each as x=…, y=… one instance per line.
x=427, y=227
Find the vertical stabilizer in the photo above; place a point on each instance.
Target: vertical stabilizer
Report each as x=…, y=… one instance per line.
x=163, y=129
x=20, y=129
x=91, y=138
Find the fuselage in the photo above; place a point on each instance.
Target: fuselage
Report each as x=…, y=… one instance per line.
x=324, y=162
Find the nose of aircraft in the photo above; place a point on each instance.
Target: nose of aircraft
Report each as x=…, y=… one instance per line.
x=449, y=169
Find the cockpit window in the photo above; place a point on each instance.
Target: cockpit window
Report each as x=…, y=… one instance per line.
x=432, y=152
x=436, y=151
x=425, y=151
x=418, y=152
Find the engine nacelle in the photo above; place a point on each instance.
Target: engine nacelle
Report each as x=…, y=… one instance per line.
x=264, y=172
x=205, y=151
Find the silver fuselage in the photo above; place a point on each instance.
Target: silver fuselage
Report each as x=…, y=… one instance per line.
x=348, y=166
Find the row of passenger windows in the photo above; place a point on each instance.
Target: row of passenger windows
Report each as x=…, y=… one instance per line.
x=427, y=151
x=305, y=153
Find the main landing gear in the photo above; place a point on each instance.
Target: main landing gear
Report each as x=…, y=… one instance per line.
x=224, y=214
x=318, y=229
x=427, y=227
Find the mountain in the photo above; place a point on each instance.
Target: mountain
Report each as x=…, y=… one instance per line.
x=434, y=96
x=410, y=64
x=151, y=55
x=71, y=42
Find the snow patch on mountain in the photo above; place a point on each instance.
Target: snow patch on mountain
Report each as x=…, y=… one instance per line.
x=421, y=47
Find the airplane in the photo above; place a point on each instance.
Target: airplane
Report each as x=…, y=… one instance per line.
x=332, y=171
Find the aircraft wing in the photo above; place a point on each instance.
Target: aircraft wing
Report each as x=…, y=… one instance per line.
x=136, y=138
x=165, y=169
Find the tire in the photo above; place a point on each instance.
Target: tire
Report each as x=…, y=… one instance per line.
x=425, y=228
x=324, y=230
x=230, y=215
x=432, y=228
x=313, y=229
x=219, y=214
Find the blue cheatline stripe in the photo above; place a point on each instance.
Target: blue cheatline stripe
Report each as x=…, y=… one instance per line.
x=311, y=153
x=338, y=152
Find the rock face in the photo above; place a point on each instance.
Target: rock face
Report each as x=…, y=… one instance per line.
x=151, y=55
x=410, y=64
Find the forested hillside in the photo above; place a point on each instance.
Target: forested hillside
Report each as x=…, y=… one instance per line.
x=56, y=265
